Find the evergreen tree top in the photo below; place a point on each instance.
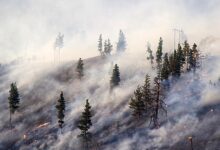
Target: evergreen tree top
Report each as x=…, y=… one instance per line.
x=100, y=43
x=194, y=46
x=85, y=120
x=147, y=80
x=115, y=78
x=13, y=98
x=159, y=52
x=121, y=44
x=146, y=88
x=80, y=65
x=61, y=102
x=137, y=104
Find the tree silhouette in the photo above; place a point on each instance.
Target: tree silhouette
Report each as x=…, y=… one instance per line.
x=60, y=106
x=121, y=44
x=100, y=46
x=137, y=104
x=115, y=79
x=14, y=100
x=84, y=125
x=80, y=68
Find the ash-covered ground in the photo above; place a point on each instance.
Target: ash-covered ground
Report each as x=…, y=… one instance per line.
x=193, y=106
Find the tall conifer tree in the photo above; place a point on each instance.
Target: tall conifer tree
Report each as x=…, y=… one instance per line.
x=13, y=100
x=193, y=58
x=80, y=68
x=165, y=72
x=60, y=106
x=137, y=104
x=158, y=103
x=121, y=45
x=186, y=53
x=159, y=55
x=115, y=79
x=147, y=95
x=150, y=54
x=84, y=125
x=100, y=47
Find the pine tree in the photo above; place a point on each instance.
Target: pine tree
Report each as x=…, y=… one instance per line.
x=84, y=125
x=107, y=47
x=165, y=71
x=186, y=51
x=137, y=104
x=115, y=79
x=159, y=54
x=158, y=103
x=14, y=100
x=121, y=45
x=150, y=52
x=171, y=63
x=60, y=106
x=178, y=55
x=147, y=95
x=176, y=64
x=193, y=57
x=181, y=57
x=110, y=47
x=58, y=44
x=80, y=68
x=100, y=49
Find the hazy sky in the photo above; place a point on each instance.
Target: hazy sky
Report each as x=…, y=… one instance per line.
x=29, y=27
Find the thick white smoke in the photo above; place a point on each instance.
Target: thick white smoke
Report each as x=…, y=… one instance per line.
x=191, y=105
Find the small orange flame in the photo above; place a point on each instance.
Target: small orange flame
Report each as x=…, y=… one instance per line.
x=43, y=125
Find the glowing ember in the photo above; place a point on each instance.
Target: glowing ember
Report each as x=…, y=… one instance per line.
x=189, y=138
x=24, y=136
x=43, y=125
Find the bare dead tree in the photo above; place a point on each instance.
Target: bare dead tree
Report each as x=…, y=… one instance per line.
x=58, y=44
x=158, y=103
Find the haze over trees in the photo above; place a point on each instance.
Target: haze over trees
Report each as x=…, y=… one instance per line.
x=108, y=47
x=59, y=43
x=100, y=45
x=109, y=75
x=105, y=48
x=150, y=54
x=147, y=104
x=121, y=44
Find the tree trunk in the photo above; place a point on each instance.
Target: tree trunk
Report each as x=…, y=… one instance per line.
x=10, y=120
x=191, y=144
x=61, y=131
x=59, y=55
x=157, y=105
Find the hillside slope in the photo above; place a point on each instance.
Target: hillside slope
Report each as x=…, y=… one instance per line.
x=193, y=109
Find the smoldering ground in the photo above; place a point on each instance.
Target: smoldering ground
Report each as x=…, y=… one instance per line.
x=192, y=105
